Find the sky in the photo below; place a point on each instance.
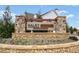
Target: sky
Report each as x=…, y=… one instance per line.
x=70, y=11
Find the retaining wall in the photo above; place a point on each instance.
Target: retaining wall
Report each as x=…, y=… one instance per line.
x=57, y=48
x=40, y=35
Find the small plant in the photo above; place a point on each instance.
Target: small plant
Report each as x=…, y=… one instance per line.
x=73, y=38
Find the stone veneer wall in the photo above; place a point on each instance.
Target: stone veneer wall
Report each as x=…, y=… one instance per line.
x=57, y=48
x=48, y=35
x=20, y=24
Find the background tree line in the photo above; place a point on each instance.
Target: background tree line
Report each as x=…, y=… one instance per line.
x=70, y=29
x=6, y=25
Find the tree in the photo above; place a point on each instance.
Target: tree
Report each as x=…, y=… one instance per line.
x=39, y=15
x=25, y=13
x=6, y=31
x=67, y=28
x=75, y=29
x=71, y=30
x=6, y=26
x=7, y=15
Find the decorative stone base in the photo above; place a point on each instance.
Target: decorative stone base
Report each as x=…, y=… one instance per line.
x=57, y=48
x=47, y=35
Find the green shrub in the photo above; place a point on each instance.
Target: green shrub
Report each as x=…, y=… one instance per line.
x=6, y=31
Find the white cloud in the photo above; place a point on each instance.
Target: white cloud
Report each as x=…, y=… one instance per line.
x=74, y=5
x=70, y=16
x=1, y=13
x=63, y=11
x=12, y=14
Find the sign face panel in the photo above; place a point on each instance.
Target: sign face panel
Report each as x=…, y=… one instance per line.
x=33, y=25
x=39, y=25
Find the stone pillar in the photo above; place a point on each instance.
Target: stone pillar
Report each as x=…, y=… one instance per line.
x=20, y=24
x=61, y=24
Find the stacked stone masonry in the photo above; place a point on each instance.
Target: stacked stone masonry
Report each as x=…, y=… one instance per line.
x=24, y=24
x=37, y=35
x=57, y=48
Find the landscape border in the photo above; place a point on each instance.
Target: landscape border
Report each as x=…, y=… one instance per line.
x=72, y=47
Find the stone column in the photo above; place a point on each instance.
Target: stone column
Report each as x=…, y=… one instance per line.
x=61, y=24
x=20, y=24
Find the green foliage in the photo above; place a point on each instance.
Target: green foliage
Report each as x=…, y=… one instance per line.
x=25, y=13
x=7, y=8
x=6, y=26
x=75, y=29
x=6, y=31
x=67, y=28
x=71, y=29
x=7, y=15
x=39, y=16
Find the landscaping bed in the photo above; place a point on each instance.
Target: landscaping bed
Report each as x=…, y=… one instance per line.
x=35, y=41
